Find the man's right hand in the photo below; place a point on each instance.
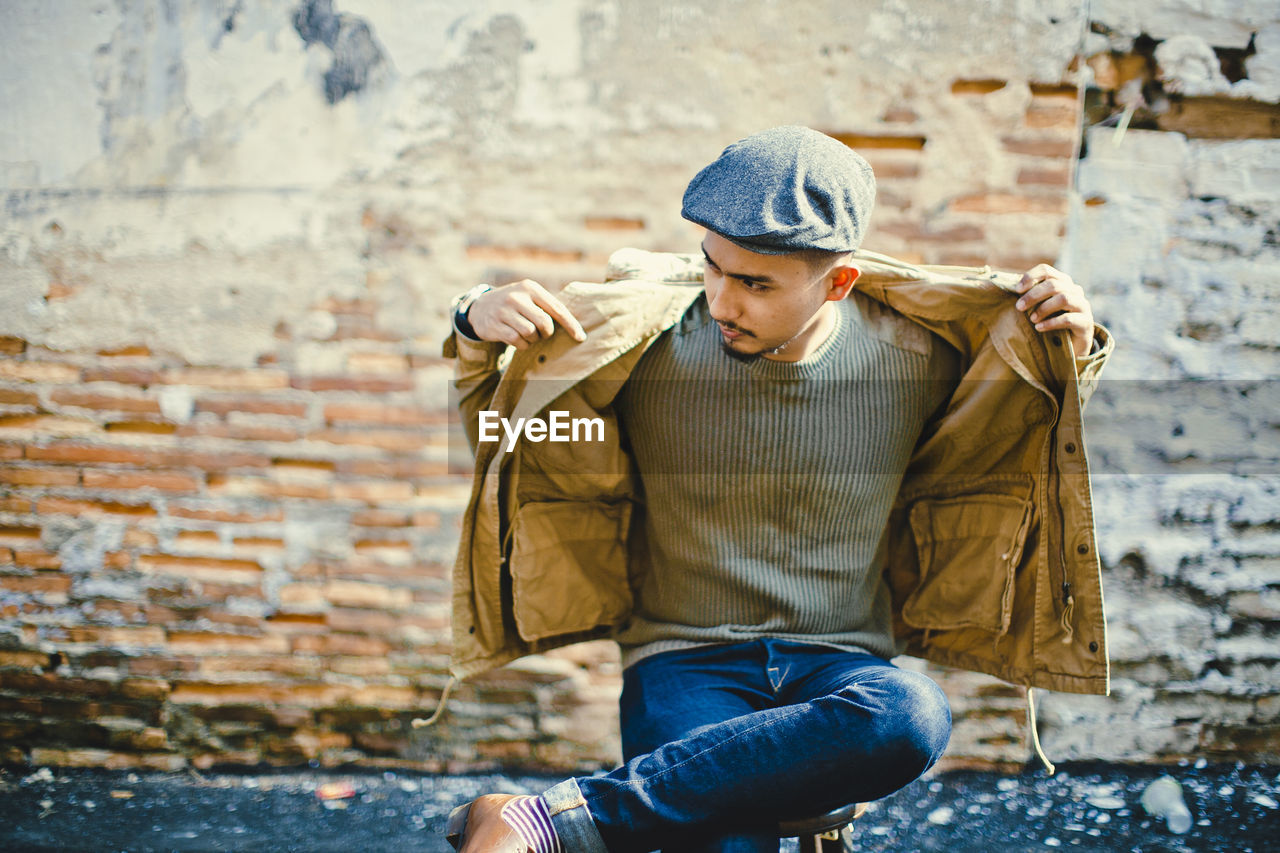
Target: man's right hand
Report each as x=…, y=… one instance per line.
x=519, y=314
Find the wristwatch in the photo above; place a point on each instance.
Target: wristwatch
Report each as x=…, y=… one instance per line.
x=461, y=305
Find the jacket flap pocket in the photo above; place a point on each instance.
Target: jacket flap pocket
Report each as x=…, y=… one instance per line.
x=969, y=548
x=569, y=567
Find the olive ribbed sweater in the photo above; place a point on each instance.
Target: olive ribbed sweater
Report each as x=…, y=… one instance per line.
x=768, y=484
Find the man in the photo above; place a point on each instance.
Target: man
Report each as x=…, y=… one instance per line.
x=760, y=571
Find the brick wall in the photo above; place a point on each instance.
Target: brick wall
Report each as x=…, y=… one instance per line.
x=227, y=512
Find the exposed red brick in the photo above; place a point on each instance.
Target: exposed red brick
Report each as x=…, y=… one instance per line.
x=117, y=560
x=37, y=560
x=241, y=432
x=196, y=693
x=378, y=491
x=613, y=223
x=39, y=371
x=400, y=469
x=340, y=644
x=10, y=451
x=378, y=413
x=145, y=427
x=109, y=402
x=225, y=515
x=426, y=519
x=15, y=504
x=859, y=141
x=87, y=454
x=15, y=476
x=226, y=378
x=1046, y=115
x=381, y=518
x=24, y=659
x=1039, y=147
x=394, y=440
x=197, y=538
x=117, y=636
x=18, y=398
x=165, y=481
x=365, y=383
x=977, y=87
x=133, y=351
x=228, y=484
x=67, y=506
x=913, y=231
x=12, y=346
x=347, y=306
x=216, y=569
x=51, y=683
x=56, y=583
x=126, y=611
x=18, y=534
x=377, y=362
x=522, y=254
x=48, y=424
x=257, y=545
x=317, y=465
x=221, y=405
x=899, y=115
x=1053, y=177
x=1009, y=203
x=1054, y=90
x=211, y=461
x=306, y=623
x=122, y=375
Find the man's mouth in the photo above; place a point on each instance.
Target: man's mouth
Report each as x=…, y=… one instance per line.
x=731, y=332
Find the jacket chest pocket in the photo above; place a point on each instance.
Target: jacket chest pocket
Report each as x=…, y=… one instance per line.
x=969, y=548
x=569, y=567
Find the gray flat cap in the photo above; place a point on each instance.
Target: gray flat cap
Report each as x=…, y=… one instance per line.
x=785, y=190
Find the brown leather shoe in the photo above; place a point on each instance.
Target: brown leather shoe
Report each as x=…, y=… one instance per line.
x=478, y=827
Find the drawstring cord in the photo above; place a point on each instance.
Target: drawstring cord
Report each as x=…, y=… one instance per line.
x=1035, y=734
x=435, y=715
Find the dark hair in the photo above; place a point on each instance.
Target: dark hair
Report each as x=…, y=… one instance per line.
x=821, y=260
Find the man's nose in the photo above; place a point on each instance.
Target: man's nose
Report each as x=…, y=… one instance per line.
x=721, y=305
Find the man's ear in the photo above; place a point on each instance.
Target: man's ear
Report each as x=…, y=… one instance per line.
x=841, y=282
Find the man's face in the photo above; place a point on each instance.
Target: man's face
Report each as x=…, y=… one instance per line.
x=769, y=305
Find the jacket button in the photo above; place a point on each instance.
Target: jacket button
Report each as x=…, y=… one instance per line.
x=1082, y=549
x=1069, y=447
x=1093, y=646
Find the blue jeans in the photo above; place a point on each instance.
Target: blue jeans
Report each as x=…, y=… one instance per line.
x=722, y=742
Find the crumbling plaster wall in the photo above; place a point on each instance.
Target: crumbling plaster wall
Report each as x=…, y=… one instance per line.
x=230, y=234
x=1178, y=236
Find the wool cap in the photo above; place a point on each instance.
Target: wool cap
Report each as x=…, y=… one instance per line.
x=785, y=190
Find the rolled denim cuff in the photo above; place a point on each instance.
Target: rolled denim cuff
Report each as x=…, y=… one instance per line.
x=572, y=819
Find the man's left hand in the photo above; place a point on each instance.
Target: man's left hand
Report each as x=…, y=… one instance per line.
x=1053, y=301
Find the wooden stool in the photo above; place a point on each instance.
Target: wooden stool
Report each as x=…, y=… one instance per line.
x=830, y=832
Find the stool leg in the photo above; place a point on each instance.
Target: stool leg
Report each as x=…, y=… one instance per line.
x=810, y=843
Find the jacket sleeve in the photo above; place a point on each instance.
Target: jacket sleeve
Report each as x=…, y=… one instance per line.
x=1089, y=367
x=475, y=376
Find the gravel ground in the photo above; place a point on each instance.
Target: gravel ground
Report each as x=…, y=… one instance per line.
x=1083, y=807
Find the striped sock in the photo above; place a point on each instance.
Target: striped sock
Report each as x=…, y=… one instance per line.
x=529, y=817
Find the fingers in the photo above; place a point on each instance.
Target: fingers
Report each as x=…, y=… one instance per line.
x=520, y=314
x=1052, y=301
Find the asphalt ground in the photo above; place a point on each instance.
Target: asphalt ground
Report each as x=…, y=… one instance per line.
x=1091, y=807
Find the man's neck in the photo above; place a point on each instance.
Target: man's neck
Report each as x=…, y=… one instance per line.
x=806, y=342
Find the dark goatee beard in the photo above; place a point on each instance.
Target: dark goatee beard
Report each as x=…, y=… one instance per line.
x=745, y=357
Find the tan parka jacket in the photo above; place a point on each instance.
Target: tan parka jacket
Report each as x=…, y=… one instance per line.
x=992, y=561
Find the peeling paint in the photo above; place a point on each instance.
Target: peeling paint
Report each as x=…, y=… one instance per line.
x=357, y=56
